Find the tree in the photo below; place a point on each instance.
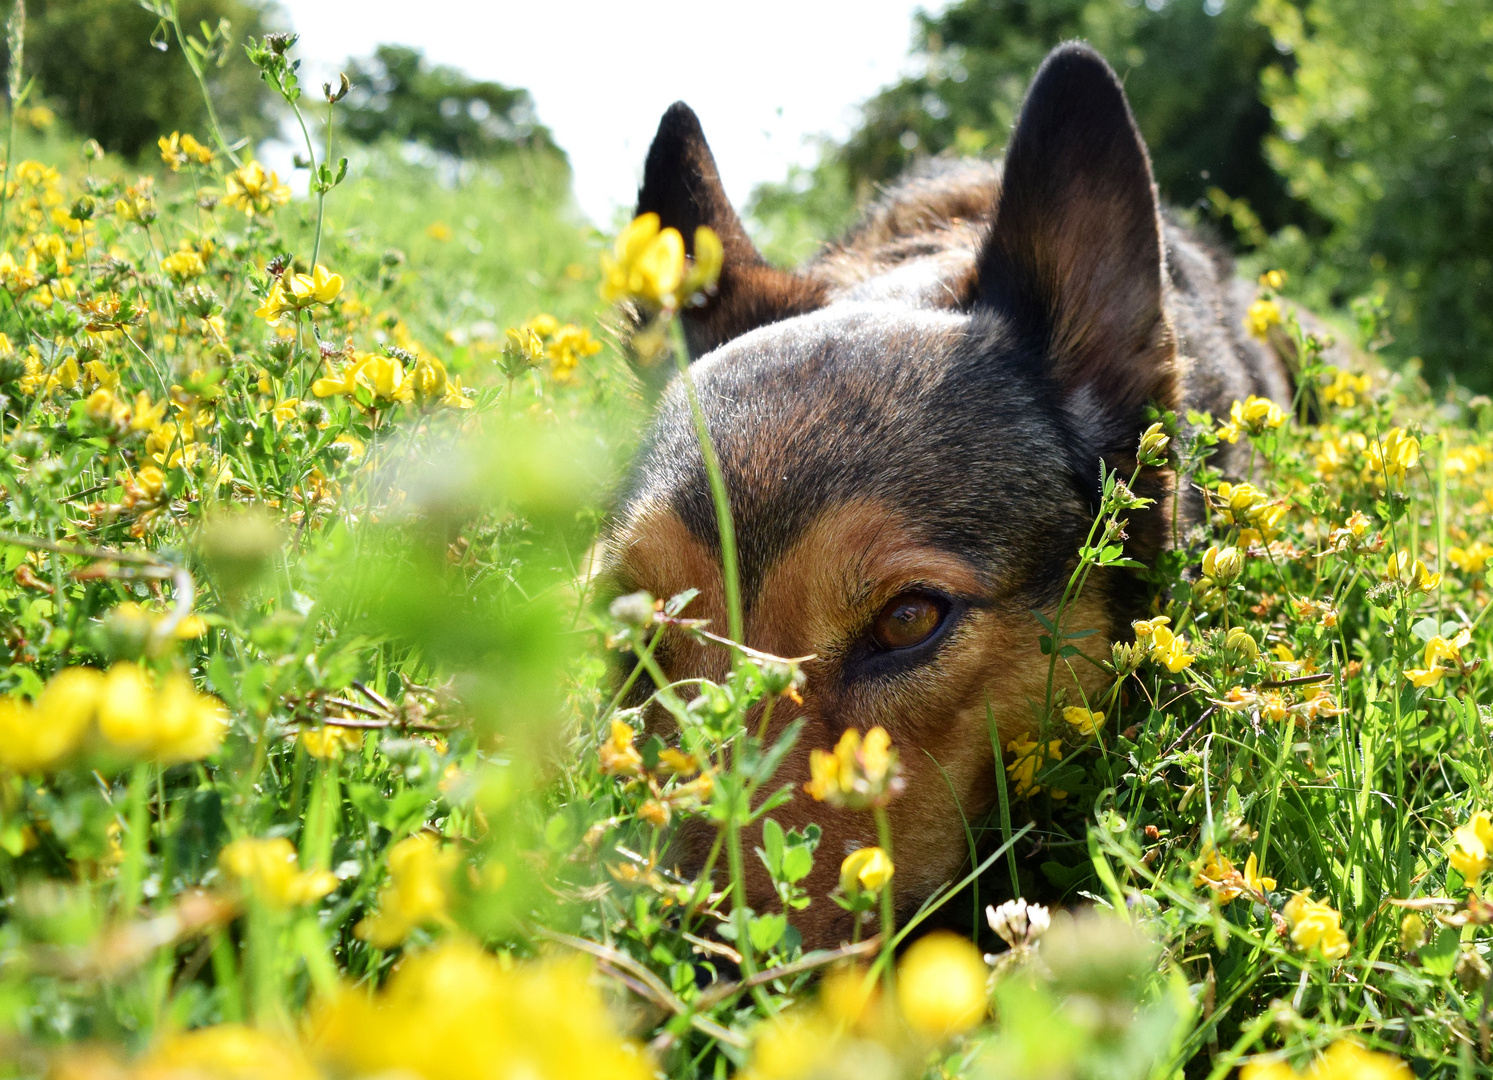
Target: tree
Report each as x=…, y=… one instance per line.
x=397, y=94
x=116, y=75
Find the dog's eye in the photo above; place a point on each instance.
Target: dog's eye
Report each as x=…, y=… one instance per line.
x=907, y=619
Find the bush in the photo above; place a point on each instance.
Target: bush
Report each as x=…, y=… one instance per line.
x=115, y=73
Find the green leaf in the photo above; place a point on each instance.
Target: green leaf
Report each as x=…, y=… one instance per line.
x=773, y=844
x=767, y=930
x=798, y=861
x=1440, y=956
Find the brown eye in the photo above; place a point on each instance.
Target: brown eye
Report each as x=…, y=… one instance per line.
x=906, y=620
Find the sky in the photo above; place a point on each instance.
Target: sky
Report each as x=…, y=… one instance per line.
x=765, y=77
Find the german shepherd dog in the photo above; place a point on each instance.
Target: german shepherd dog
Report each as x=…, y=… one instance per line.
x=911, y=427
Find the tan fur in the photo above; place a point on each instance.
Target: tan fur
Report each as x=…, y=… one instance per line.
x=818, y=598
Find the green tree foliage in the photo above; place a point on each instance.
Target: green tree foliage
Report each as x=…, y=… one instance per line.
x=1191, y=69
x=397, y=93
x=118, y=76
x=1383, y=119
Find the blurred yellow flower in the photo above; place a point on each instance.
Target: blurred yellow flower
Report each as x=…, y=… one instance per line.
x=865, y=869
x=255, y=191
x=858, y=774
x=219, y=1052
x=1343, y=1060
x=417, y=893
x=183, y=265
x=1409, y=571
x=1316, y=925
x=457, y=1013
x=619, y=757
x=647, y=264
x=270, y=868
x=941, y=986
x=1262, y=315
x=568, y=346
x=1471, y=559
x=328, y=742
x=1471, y=854
x=178, y=150
x=1344, y=388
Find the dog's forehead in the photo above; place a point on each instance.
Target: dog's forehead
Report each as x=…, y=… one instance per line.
x=920, y=410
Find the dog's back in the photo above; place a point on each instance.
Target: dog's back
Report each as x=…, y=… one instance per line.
x=911, y=429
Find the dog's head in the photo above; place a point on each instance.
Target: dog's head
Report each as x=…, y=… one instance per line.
x=910, y=477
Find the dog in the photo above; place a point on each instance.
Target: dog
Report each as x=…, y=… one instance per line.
x=911, y=428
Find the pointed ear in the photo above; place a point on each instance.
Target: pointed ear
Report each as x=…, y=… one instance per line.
x=1074, y=257
x=681, y=186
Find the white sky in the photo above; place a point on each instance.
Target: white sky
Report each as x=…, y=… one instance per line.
x=764, y=77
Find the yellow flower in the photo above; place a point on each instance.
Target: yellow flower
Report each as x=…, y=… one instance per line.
x=941, y=986
x=1262, y=315
x=568, y=346
x=34, y=738
x=1273, y=279
x=865, y=869
x=292, y=293
x=327, y=743
x=1030, y=757
x=1343, y=1060
x=417, y=892
x=456, y=1012
x=17, y=278
x=856, y=775
x=1154, y=441
x=183, y=265
x=1254, y=881
x=1345, y=388
x=145, y=416
x=1085, y=722
x=428, y=380
x=254, y=191
x=1254, y=414
x=1472, y=847
x=178, y=149
x=1438, y=653
x=285, y=411
x=438, y=231
x=339, y=382
x=1223, y=565
x=1217, y=872
x=1471, y=559
x=705, y=264
x=1395, y=453
x=1316, y=925
x=454, y=397
x=383, y=377
x=619, y=757
x=270, y=868
x=221, y=1052
x=647, y=264
x=1170, y=650
x=1409, y=571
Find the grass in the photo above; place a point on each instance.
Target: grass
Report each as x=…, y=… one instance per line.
x=358, y=794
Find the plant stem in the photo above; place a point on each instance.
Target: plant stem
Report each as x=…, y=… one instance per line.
x=888, y=915
x=132, y=873
x=207, y=98
x=730, y=576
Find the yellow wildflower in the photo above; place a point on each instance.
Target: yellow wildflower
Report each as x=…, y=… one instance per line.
x=292, y=293
x=1394, y=453
x=1344, y=388
x=1216, y=871
x=383, y=377
x=1471, y=559
x=183, y=265
x=219, y=1052
x=865, y=869
x=455, y=397
x=619, y=757
x=1343, y=1061
x=1170, y=650
x=255, y=191
x=285, y=411
x=417, y=892
x=1262, y=315
x=1472, y=847
x=1223, y=565
x=648, y=264
x=1086, y=722
x=34, y=738
x=941, y=986
x=455, y=1011
x=1273, y=279
x=438, y=231
x=178, y=149
x=327, y=743
x=1316, y=925
x=1030, y=757
x=1409, y=571
x=270, y=868
x=1254, y=881
x=857, y=774
x=17, y=278
x=1438, y=653
x=569, y=345
x=1254, y=415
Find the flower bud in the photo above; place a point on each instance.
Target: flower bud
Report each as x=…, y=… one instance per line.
x=1239, y=648
x=1153, y=445
x=1224, y=565
x=865, y=870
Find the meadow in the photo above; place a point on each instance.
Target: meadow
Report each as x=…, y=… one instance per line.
x=313, y=759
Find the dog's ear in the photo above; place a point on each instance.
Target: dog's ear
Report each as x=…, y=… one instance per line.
x=1073, y=260
x=681, y=186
